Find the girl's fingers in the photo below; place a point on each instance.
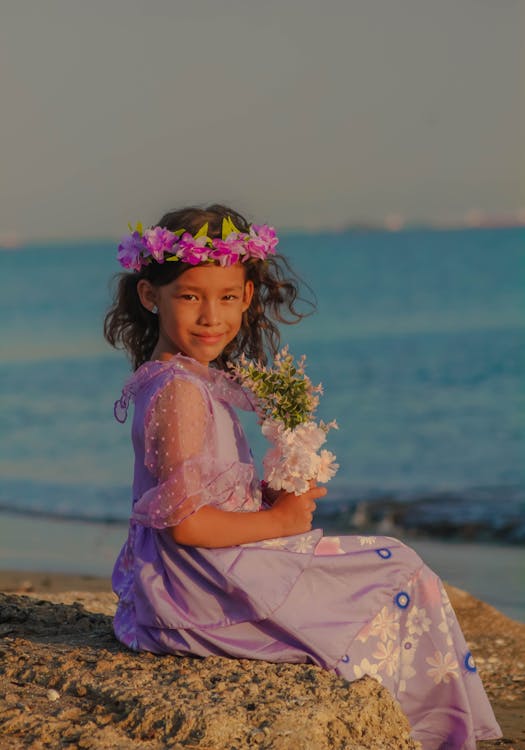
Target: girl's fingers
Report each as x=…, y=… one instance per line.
x=309, y=505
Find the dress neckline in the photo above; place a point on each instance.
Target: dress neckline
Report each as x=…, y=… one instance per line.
x=220, y=383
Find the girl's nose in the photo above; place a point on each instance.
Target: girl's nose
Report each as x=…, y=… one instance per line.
x=209, y=313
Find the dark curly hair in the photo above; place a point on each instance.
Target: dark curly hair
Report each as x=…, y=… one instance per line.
x=130, y=326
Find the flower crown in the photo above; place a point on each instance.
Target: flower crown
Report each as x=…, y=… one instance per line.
x=139, y=248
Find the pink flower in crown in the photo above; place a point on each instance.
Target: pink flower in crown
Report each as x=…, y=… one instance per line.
x=131, y=251
x=262, y=241
x=191, y=250
x=227, y=252
x=159, y=241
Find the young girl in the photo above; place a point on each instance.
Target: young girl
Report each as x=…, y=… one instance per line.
x=208, y=567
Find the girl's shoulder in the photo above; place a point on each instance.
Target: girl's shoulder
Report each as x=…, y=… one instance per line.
x=156, y=374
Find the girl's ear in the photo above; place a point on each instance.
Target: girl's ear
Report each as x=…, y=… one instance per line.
x=248, y=295
x=147, y=294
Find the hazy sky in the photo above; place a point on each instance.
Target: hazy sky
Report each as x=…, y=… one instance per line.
x=300, y=113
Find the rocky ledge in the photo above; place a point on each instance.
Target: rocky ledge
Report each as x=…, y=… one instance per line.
x=66, y=682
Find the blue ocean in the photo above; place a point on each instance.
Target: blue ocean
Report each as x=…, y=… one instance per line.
x=417, y=339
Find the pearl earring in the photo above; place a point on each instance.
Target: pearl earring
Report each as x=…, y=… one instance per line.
x=154, y=309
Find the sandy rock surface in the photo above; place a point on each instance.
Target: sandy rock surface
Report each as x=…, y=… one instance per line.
x=66, y=682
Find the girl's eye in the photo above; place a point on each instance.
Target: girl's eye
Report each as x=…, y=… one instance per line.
x=188, y=296
x=230, y=296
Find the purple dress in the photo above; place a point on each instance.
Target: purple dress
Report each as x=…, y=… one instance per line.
x=354, y=605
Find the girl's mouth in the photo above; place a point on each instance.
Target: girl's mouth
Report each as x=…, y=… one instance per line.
x=209, y=338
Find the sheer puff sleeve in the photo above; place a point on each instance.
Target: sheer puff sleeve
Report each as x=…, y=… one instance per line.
x=181, y=454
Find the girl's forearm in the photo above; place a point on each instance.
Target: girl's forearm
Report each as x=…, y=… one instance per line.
x=211, y=527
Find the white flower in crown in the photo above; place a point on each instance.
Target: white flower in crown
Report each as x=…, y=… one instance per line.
x=286, y=402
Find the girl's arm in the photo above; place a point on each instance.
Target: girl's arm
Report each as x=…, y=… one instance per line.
x=211, y=527
x=178, y=449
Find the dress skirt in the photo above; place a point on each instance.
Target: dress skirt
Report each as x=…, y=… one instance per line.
x=353, y=605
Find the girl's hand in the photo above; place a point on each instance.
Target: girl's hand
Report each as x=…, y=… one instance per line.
x=294, y=512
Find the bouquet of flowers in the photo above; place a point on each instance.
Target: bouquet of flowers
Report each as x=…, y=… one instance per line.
x=286, y=402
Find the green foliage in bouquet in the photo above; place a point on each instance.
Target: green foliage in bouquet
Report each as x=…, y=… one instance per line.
x=284, y=392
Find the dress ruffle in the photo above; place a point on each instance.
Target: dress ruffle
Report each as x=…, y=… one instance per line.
x=198, y=482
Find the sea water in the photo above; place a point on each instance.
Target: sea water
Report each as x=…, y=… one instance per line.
x=417, y=339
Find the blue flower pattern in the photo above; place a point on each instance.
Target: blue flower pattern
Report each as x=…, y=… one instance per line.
x=402, y=599
x=469, y=662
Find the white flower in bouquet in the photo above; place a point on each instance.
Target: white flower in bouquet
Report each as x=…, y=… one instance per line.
x=286, y=403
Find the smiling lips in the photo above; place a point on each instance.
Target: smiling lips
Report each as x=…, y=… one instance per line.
x=208, y=338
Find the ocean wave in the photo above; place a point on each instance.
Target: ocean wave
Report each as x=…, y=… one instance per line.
x=471, y=514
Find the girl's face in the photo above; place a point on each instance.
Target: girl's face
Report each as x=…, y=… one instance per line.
x=200, y=312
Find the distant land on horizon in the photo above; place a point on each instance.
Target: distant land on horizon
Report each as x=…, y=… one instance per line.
x=13, y=240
